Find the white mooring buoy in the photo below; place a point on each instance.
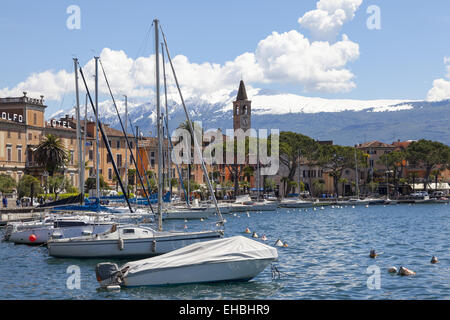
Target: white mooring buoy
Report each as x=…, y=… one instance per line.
x=113, y=288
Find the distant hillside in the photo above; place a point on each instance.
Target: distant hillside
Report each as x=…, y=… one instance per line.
x=346, y=122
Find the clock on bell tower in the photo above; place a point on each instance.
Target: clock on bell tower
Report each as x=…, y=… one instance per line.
x=242, y=110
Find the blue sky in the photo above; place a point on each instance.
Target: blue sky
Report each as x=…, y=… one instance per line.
x=399, y=61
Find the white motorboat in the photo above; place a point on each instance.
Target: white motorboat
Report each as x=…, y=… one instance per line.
x=390, y=201
x=296, y=203
x=229, y=259
x=265, y=205
x=354, y=202
x=60, y=228
x=127, y=241
x=12, y=227
x=376, y=201
x=188, y=213
x=245, y=203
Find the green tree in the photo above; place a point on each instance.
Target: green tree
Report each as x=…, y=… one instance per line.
x=292, y=147
x=29, y=186
x=319, y=186
x=269, y=184
x=394, y=161
x=55, y=184
x=173, y=183
x=131, y=177
x=91, y=183
x=334, y=159
x=51, y=154
x=248, y=172
x=7, y=183
x=430, y=155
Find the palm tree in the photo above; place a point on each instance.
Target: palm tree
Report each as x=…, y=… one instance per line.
x=51, y=154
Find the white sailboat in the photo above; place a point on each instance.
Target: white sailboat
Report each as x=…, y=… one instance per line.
x=230, y=259
x=245, y=203
x=181, y=212
x=63, y=227
x=124, y=240
x=296, y=203
x=127, y=241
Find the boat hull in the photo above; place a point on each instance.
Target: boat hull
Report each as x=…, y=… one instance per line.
x=43, y=235
x=208, y=272
x=253, y=207
x=110, y=248
x=295, y=204
x=188, y=214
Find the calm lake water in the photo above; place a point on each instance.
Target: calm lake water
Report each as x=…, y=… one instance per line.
x=327, y=258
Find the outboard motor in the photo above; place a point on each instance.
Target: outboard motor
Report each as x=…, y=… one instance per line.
x=107, y=274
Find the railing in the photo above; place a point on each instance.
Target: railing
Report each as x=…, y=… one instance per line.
x=23, y=100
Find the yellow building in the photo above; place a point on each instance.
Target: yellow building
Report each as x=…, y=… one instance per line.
x=23, y=127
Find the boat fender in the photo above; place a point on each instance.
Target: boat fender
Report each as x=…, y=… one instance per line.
x=113, y=288
x=120, y=244
x=154, y=246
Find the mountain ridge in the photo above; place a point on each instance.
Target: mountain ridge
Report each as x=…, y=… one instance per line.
x=344, y=121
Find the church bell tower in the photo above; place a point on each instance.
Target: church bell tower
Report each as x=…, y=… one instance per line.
x=242, y=110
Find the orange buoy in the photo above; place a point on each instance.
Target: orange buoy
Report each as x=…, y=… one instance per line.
x=32, y=238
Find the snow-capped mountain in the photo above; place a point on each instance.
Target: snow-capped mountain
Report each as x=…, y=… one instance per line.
x=344, y=121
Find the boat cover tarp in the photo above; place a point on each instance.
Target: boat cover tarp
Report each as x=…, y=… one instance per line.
x=231, y=249
x=62, y=202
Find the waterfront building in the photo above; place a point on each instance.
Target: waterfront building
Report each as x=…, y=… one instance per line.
x=23, y=127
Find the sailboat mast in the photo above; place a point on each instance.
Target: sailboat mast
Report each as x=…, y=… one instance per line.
x=196, y=145
x=258, y=172
x=126, y=149
x=84, y=142
x=97, y=155
x=299, y=188
x=169, y=160
x=158, y=125
x=80, y=160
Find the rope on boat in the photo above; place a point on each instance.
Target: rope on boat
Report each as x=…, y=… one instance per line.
x=277, y=274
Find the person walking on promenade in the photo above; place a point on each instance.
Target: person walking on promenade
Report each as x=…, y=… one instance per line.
x=5, y=202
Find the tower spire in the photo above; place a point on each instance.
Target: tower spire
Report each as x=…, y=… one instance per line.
x=242, y=94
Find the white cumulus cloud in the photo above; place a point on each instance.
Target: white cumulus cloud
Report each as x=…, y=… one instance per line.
x=441, y=87
x=326, y=21
x=289, y=57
